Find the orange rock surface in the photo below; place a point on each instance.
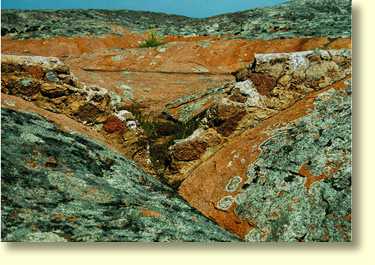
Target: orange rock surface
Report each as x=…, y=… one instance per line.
x=153, y=77
x=156, y=76
x=205, y=185
x=63, y=122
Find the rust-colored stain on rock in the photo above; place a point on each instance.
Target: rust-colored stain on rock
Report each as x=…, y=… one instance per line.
x=148, y=79
x=205, y=186
x=310, y=178
x=183, y=66
x=113, y=124
x=150, y=213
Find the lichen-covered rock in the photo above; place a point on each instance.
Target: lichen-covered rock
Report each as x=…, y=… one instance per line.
x=283, y=78
x=293, y=18
x=33, y=65
x=187, y=108
x=58, y=186
x=74, y=190
x=186, y=153
x=286, y=179
x=299, y=189
x=273, y=82
x=48, y=83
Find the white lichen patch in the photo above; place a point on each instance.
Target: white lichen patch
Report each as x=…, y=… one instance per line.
x=298, y=60
x=124, y=115
x=128, y=91
x=247, y=88
x=131, y=125
x=31, y=138
x=45, y=62
x=225, y=203
x=118, y=58
x=269, y=57
x=233, y=184
x=347, y=53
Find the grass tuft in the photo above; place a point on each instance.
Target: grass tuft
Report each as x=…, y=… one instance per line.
x=153, y=41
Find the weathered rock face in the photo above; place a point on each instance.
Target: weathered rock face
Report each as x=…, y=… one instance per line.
x=58, y=186
x=243, y=186
x=249, y=121
x=155, y=77
x=48, y=83
x=231, y=110
x=294, y=18
x=299, y=188
x=208, y=185
x=273, y=81
x=283, y=78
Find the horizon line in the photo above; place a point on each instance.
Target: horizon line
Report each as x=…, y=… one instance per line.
x=281, y=2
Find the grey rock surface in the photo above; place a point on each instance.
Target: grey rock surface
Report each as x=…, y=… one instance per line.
x=58, y=186
x=328, y=18
x=299, y=189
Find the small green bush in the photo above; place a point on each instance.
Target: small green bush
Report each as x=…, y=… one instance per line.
x=152, y=41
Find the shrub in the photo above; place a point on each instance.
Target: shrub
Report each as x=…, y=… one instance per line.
x=153, y=41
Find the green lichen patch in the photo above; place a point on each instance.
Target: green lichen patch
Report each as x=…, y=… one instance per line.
x=58, y=186
x=233, y=184
x=277, y=198
x=225, y=203
x=290, y=19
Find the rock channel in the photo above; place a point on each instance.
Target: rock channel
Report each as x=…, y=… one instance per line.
x=235, y=128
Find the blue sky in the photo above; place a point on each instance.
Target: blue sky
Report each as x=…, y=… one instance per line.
x=192, y=8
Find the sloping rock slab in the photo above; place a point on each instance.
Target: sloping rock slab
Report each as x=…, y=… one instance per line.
x=299, y=189
x=58, y=186
x=186, y=108
x=288, y=179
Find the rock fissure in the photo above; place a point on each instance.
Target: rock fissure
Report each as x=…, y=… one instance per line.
x=235, y=127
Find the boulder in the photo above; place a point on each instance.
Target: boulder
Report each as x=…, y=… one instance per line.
x=113, y=124
x=195, y=145
x=190, y=148
x=187, y=108
x=54, y=90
